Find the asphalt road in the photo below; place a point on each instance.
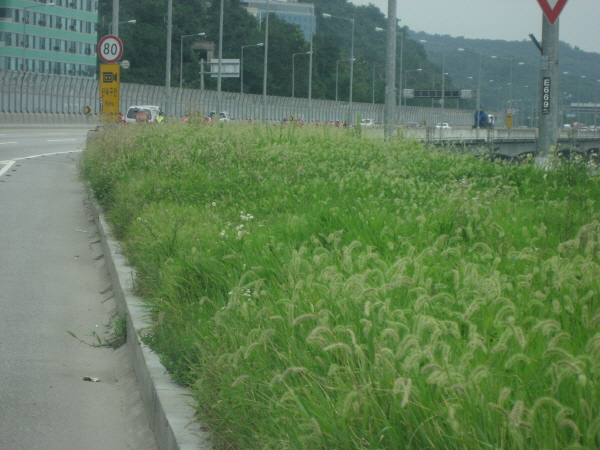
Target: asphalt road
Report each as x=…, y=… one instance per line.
x=53, y=281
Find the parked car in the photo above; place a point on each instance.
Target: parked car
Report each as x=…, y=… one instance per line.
x=367, y=123
x=443, y=126
x=223, y=116
x=143, y=114
x=412, y=125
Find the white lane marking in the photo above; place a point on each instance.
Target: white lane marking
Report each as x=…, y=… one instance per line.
x=5, y=143
x=8, y=165
x=12, y=161
x=45, y=154
x=60, y=140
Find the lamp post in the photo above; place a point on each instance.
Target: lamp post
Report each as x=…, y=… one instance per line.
x=373, y=83
x=406, y=72
x=326, y=16
x=242, y=64
x=443, y=101
x=168, y=62
x=110, y=25
x=337, y=73
x=220, y=67
x=266, y=60
x=181, y=56
x=478, y=107
x=25, y=20
x=596, y=110
x=510, y=83
x=310, y=66
x=294, y=70
x=579, y=98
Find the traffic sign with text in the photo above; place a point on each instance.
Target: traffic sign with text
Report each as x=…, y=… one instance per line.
x=110, y=91
x=110, y=49
x=552, y=8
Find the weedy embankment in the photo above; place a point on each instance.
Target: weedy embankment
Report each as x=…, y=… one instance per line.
x=319, y=290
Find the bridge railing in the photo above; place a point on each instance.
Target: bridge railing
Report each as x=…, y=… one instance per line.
x=33, y=93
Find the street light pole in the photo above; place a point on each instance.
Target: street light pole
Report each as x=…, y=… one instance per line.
x=337, y=71
x=310, y=67
x=406, y=72
x=181, y=56
x=242, y=64
x=110, y=25
x=351, y=58
x=220, y=69
x=25, y=20
x=168, y=64
x=443, y=84
x=266, y=60
x=596, y=110
x=294, y=70
x=373, y=82
x=478, y=107
x=579, y=98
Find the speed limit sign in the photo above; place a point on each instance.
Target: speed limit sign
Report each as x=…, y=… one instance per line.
x=110, y=49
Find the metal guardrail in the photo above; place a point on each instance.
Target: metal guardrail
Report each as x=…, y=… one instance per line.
x=35, y=93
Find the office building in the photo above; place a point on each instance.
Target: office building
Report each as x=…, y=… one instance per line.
x=302, y=14
x=49, y=36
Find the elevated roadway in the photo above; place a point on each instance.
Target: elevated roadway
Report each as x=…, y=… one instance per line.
x=507, y=143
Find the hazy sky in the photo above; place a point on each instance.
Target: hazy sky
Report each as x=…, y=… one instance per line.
x=510, y=20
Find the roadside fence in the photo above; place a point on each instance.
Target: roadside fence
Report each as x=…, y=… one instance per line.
x=26, y=95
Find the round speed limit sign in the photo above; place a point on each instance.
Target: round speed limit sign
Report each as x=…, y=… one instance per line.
x=110, y=49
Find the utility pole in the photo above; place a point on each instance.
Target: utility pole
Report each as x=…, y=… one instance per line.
x=390, y=73
x=549, y=74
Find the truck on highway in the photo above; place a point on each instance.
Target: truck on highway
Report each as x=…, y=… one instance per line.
x=483, y=119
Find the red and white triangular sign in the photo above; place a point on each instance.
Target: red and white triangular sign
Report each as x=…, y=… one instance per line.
x=552, y=8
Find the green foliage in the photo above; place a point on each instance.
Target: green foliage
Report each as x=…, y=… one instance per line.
x=573, y=62
x=317, y=289
x=145, y=47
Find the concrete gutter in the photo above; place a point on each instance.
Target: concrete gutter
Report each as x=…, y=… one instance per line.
x=167, y=404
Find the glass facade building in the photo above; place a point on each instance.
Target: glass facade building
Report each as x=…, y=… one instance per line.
x=302, y=14
x=49, y=36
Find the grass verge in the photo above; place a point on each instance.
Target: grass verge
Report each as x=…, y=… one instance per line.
x=318, y=290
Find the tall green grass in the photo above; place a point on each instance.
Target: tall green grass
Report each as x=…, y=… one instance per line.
x=319, y=290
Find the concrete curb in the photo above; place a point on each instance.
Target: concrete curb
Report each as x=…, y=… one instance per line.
x=167, y=404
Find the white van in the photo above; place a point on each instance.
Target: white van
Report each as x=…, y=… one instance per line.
x=367, y=123
x=143, y=114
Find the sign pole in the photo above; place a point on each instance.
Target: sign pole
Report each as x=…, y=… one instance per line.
x=110, y=50
x=548, y=114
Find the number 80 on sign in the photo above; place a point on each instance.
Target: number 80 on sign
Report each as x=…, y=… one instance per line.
x=110, y=49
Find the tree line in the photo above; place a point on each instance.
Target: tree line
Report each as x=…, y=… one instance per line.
x=145, y=47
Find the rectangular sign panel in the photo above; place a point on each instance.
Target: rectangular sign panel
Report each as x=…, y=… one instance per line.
x=110, y=89
x=437, y=93
x=230, y=68
x=546, y=89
